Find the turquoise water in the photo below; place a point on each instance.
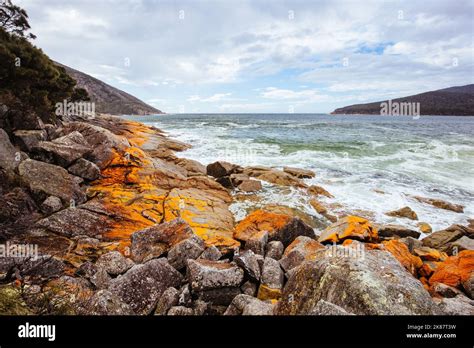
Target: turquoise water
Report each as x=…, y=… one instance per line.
x=431, y=156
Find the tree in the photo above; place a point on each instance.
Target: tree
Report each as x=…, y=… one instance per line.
x=14, y=19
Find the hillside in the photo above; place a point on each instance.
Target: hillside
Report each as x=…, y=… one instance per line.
x=109, y=99
x=451, y=101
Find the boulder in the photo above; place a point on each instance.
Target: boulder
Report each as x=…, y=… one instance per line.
x=257, y=242
x=455, y=270
x=299, y=173
x=273, y=176
x=405, y=212
x=103, y=302
x=154, y=241
x=424, y=227
x=211, y=253
x=220, y=169
x=397, y=231
x=302, y=249
x=250, y=186
x=316, y=190
x=100, y=279
x=248, y=262
x=459, y=305
x=442, y=240
x=237, y=179
x=218, y=296
x=51, y=205
x=27, y=139
x=62, y=151
x=403, y=255
x=463, y=243
x=184, y=250
x=271, y=281
x=248, y=305
x=429, y=254
x=142, y=285
x=328, y=308
x=349, y=227
x=249, y=288
x=439, y=203
x=85, y=169
x=180, y=311
x=322, y=210
x=17, y=205
x=206, y=274
x=274, y=249
x=283, y=228
x=9, y=155
x=45, y=179
x=114, y=263
x=375, y=284
x=168, y=299
x=468, y=285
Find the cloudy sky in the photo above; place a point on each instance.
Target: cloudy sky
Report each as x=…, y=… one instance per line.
x=260, y=56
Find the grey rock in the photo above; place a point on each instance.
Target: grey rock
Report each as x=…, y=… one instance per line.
x=101, y=279
x=376, y=284
x=143, y=284
x=247, y=305
x=190, y=248
x=206, y=274
x=301, y=249
x=441, y=239
x=274, y=249
x=328, y=308
x=248, y=262
x=9, y=155
x=211, y=253
x=184, y=296
x=199, y=307
x=51, y=205
x=180, y=311
x=411, y=243
x=463, y=243
x=85, y=169
x=114, y=263
x=445, y=290
x=168, y=299
x=272, y=274
x=257, y=243
x=459, y=305
x=249, y=288
x=218, y=297
x=27, y=139
x=103, y=302
x=62, y=151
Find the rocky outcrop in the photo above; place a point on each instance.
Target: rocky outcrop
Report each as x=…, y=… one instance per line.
x=349, y=227
x=405, y=212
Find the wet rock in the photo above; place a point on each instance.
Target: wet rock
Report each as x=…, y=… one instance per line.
x=250, y=186
x=45, y=179
x=459, y=305
x=103, y=302
x=248, y=262
x=85, y=169
x=400, y=251
x=397, y=231
x=455, y=270
x=180, y=311
x=405, y=212
x=211, y=253
x=328, y=308
x=51, y=205
x=143, y=284
x=247, y=305
x=273, y=176
x=220, y=296
x=154, y=241
x=206, y=274
x=190, y=248
x=249, y=288
x=274, y=249
x=114, y=263
x=441, y=239
x=299, y=173
x=316, y=190
x=220, y=169
x=352, y=227
x=168, y=299
x=321, y=209
x=375, y=284
x=438, y=203
x=27, y=139
x=280, y=227
x=302, y=249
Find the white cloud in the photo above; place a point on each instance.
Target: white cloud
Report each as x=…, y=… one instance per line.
x=307, y=95
x=212, y=99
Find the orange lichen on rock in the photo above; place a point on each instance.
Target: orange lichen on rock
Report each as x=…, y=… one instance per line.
x=430, y=254
x=428, y=268
x=352, y=227
x=267, y=293
x=260, y=220
x=455, y=269
x=403, y=255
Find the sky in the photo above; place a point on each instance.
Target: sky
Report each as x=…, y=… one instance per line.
x=236, y=56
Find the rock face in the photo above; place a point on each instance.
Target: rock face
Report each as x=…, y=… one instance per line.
x=143, y=284
x=206, y=275
x=45, y=179
x=352, y=227
x=405, y=212
x=280, y=227
x=376, y=285
x=85, y=169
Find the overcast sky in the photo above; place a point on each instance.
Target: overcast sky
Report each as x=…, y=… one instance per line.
x=260, y=56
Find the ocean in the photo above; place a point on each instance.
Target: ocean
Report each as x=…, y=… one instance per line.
x=371, y=164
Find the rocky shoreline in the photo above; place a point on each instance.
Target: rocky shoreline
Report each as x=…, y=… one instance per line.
x=124, y=226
